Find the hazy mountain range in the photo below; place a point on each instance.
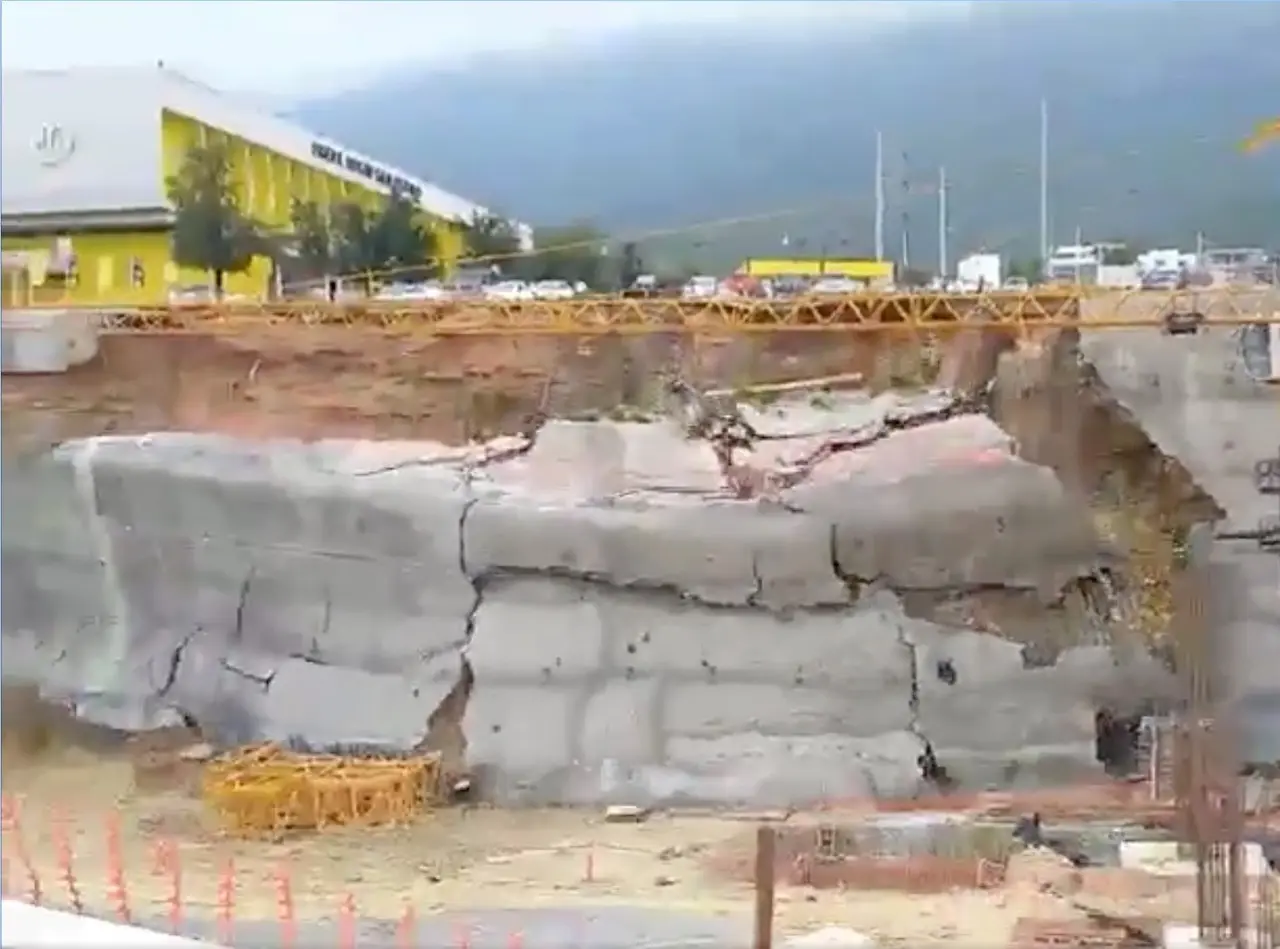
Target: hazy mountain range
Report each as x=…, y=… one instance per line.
x=1148, y=104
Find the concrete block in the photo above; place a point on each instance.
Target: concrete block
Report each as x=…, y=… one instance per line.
x=332, y=706
x=523, y=735
x=727, y=553
x=765, y=770
x=1003, y=525
x=538, y=630
x=850, y=649
x=622, y=723
x=709, y=710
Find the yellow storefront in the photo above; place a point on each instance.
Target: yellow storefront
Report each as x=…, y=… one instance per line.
x=106, y=257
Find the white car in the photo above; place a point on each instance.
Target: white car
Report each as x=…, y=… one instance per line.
x=553, y=290
x=510, y=290
x=1017, y=283
x=430, y=290
x=835, y=287
x=700, y=288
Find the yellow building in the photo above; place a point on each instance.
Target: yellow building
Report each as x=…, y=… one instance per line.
x=870, y=271
x=87, y=153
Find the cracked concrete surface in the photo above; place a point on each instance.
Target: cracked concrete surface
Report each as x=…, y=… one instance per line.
x=590, y=619
x=1194, y=398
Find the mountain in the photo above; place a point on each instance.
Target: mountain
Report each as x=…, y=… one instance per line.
x=665, y=129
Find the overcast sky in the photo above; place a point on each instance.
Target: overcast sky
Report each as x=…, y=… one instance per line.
x=317, y=46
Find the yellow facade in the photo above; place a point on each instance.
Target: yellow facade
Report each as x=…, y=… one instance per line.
x=135, y=267
x=870, y=270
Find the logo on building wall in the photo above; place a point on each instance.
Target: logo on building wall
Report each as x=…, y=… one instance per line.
x=54, y=145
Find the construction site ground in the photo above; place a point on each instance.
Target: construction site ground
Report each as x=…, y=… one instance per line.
x=334, y=382
x=477, y=858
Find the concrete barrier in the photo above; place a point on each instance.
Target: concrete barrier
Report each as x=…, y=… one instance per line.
x=33, y=927
x=47, y=341
x=609, y=627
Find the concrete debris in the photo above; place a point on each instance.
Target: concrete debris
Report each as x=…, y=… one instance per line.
x=831, y=937
x=581, y=613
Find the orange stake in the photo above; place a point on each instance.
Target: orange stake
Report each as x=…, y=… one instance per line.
x=117, y=891
x=61, y=831
x=515, y=940
x=407, y=931
x=11, y=816
x=462, y=937
x=284, y=908
x=226, y=902
x=168, y=864
x=347, y=923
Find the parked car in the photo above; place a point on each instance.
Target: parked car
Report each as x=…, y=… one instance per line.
x=430, y=290
x=835, y=287
x=553, y=290
x=508, y=290
x=700, y=288
x=1017, y=283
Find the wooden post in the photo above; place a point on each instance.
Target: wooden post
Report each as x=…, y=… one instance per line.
x=766, y=849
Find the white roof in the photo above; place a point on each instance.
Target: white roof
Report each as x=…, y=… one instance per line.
x=89, y=140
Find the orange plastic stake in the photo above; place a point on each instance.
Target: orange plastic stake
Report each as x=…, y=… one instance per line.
x=515, y=940
x=60, y=828
x=11, y=814
x=117, y=891
x=226, y=903
x=347, y=923
x=407, y=931
x=284, y=908
x=170, y=865
x=462, y=937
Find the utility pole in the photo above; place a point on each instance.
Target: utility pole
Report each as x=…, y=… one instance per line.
x=942, y=224
x=879, y=195
x=1044, y=183
x=906, y=218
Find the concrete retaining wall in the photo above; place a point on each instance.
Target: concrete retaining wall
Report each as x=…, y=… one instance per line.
x=624, y=633
x=1195, y=399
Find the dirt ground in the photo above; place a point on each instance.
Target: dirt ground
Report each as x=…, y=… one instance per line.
x=480, y=857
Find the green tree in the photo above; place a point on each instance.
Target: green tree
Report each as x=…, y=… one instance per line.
x=391, y=242
x=313, y=239
x=1030, y=269
x=494, y=240
x=404, y=247
x=210, y=232
x=576, y=252
x=354, y=252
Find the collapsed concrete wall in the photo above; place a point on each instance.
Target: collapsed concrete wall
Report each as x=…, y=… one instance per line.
x=1194, y=396
x=622, y=628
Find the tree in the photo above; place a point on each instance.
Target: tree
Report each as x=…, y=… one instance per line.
x=574, y=253
x=1030, y=269
x=403, y=246
x=492, y=239
x=390, y=242
x=210, y=232
x=313, y=239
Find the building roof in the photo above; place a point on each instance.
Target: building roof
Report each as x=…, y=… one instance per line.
x=89, y=140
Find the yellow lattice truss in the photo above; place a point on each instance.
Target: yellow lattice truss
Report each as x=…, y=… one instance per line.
x=265, y=789
x=616, y=315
